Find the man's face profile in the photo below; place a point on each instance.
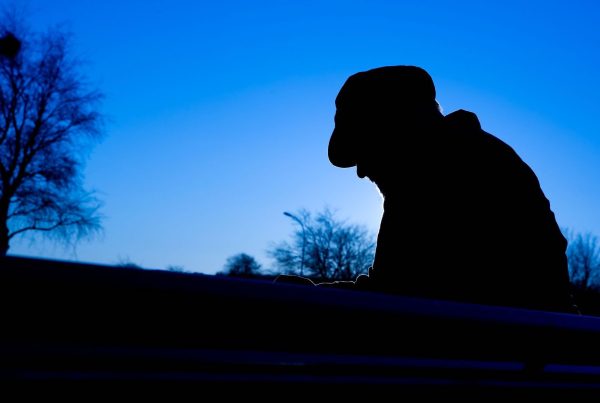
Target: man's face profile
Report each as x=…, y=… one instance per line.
x=368, y=130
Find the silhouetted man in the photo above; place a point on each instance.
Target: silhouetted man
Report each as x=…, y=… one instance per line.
x=464, y=217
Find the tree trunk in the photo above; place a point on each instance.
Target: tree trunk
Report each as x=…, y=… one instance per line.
x=4, y=240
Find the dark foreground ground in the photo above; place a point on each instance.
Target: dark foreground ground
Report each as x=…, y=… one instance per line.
x=107, y=330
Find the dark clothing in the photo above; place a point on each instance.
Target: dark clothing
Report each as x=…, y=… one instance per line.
x=466, y=220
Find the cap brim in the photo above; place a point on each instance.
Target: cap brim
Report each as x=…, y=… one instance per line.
x=341, y=151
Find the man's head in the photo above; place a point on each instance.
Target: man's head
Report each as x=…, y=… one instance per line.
x=374, y=108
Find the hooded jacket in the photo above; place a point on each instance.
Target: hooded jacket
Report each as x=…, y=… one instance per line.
x=466, y=219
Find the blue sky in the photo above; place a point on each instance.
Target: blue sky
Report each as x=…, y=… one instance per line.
x=220, y=111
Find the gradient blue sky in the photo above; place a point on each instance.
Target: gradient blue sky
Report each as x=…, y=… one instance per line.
x=220, y=111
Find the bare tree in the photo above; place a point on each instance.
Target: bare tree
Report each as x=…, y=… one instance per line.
x=583, y=254
x=48, y=117
x=325, y=248
x=176, y=268
x=241, y=265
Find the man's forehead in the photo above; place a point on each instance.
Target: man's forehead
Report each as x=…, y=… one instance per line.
x=360, y=108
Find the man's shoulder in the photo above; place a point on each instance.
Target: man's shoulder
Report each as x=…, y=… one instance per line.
x=462, y=120
x=466, y=124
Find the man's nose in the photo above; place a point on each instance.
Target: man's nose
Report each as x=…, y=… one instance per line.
x=360, y=171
